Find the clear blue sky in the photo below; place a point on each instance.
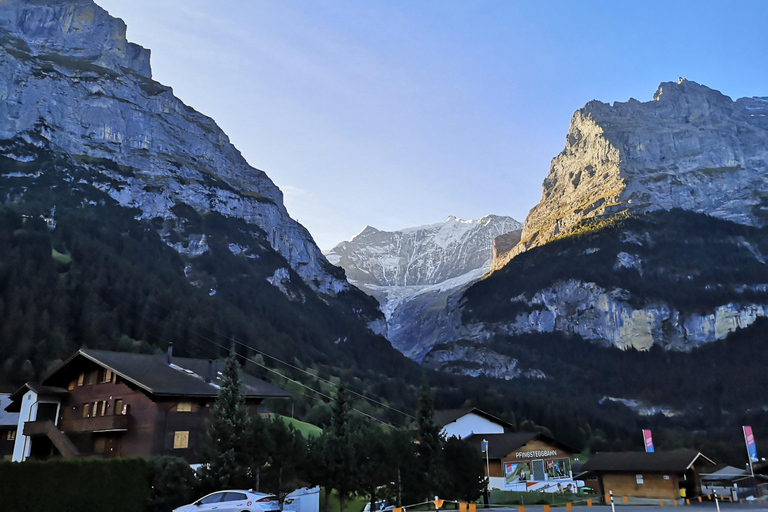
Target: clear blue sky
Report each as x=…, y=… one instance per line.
x=400, y=113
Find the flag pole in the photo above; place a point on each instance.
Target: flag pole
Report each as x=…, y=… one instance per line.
x=749, y=456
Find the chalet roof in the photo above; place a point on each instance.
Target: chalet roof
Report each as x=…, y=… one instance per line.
x=40, y=389
x=728, y=473
x=501, y=445
x=7, y=419
x=677, y=461
x=445, y=416
x=183, y=377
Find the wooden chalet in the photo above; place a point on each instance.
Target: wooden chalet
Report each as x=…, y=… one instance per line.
x=659, y=475
x=115, y=404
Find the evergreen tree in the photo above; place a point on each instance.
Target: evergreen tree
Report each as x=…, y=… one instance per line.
x=287, y=453
x=340, y=450
x=260, y=444
x=464, y=472
x=429, y=446
x=227, y=453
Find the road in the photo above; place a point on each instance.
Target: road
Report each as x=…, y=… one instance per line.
x=746, y=506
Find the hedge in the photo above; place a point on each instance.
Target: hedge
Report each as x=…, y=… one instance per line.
x=78, y=485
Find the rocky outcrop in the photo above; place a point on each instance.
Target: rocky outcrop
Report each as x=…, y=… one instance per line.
x=70, y=81
x=688, y=170
x=412, y=272
x=691, y=148
x=606, y=317
x=474, y=361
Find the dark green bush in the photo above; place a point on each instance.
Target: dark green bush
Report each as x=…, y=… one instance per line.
x=172, y=483
x=81, y=485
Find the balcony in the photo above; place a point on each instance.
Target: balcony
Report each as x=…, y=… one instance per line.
x=116, y=422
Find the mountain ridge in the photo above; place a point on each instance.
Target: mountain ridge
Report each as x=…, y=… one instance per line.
x=691, y=147
x=650, y=233
x=414, y=271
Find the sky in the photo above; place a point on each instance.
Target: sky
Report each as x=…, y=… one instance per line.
x=400, y=113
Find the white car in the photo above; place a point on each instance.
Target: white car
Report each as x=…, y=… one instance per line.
x=234, y=501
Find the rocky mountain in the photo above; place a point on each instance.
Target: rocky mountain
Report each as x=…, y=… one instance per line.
x=691, y=148
x=412, y=272
x=650, y=233
x=96, y=147
x=72, y=82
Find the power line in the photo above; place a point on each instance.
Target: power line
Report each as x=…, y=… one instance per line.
x=272, y=370
x=317, y=377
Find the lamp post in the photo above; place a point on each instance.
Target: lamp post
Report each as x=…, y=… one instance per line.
x=487, y=471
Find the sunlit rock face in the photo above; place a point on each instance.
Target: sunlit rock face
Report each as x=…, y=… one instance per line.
x=70, y=81
x=691, y=148
x=412, y=272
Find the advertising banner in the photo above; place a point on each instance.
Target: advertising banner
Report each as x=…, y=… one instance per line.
x=515, y=473
x=751, y=446
x=648, y=441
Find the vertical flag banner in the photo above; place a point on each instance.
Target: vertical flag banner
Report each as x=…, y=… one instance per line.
x=751, y=446
x=648, y=441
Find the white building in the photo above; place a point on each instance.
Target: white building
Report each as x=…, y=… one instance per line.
x=465, y=422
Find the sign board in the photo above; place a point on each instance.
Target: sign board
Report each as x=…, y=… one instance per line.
x=648, y=441
x=749, y=438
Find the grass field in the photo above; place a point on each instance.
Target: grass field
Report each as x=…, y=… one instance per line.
x=306, y=429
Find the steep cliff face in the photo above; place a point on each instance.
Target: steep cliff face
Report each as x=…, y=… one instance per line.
x=651, y=232
x=413, y=272
x=70, y=82
x=691, y=148
x=673, y=280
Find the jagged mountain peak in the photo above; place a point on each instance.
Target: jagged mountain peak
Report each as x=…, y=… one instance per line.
x=413, y=271
x=691, y=148
x=420, y=255
x=75, y=86
x=77, y=28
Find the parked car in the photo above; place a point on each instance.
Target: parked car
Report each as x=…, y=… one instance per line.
x=380, y=505
x=234, y=501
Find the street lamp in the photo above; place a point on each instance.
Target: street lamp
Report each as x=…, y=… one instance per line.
x=487, y=470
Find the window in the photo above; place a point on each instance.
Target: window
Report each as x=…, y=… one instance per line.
x=213, y=498
x=639, y=479
x=119, y=406
x=86, y=410
x=102, y=408
x=558, y=468
x=184, y=407
x=105, y=375
x=11, y=435
x=72, y=385
x=235, y=496
x=181, y=439
x=91, y=379
x=81, y=379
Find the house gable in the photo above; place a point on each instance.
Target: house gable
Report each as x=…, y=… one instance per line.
x=111, y=404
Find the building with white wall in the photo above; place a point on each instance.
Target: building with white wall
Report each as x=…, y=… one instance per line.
x=465, y=422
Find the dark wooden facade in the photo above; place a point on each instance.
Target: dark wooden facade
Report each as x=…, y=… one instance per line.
x=107, y=413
